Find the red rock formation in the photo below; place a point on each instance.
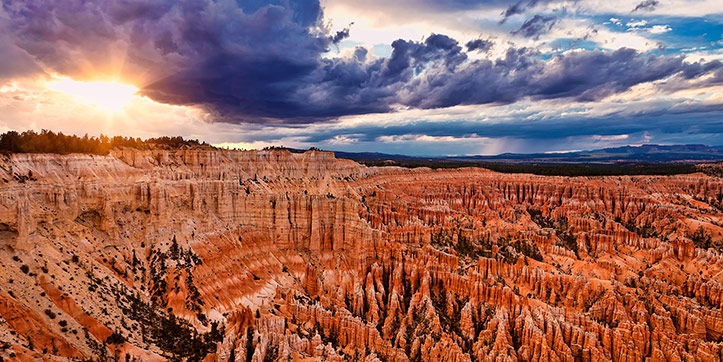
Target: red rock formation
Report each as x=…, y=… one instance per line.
x=271, y=255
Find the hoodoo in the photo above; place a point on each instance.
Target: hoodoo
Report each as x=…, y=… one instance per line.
x=216, y=255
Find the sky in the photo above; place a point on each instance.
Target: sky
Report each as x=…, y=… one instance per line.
x=415, y=77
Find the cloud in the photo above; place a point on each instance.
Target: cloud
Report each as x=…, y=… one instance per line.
x=534, y=126
x=536, y=26
x=694, y=76
x=437, y=73
x=482, y=45
x=522, y=73
x=15, y=62
x=640, y=25
x=637, y=23
x=659, y=29
x=647, y=5
x=341, y=35
x=521, y=6
x=267, y=61
x=233, y=58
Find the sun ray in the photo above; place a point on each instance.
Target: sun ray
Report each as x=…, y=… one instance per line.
x=110, y=96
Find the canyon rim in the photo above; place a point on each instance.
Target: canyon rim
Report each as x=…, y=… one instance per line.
x=207, y=254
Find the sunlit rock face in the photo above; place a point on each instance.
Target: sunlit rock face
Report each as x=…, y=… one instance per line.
x=204, y=254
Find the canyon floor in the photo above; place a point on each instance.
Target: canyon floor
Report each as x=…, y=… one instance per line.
x=206, y=254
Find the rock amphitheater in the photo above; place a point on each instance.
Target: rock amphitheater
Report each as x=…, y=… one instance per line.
x=215, y=255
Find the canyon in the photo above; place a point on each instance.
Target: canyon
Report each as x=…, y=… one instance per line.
x=200, y=253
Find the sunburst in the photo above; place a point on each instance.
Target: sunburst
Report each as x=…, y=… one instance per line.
x=110, y=96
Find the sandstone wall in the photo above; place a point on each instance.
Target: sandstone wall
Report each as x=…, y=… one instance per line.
x=301, y=255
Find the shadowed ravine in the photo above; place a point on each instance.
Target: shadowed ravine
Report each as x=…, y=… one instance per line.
x=221, y=255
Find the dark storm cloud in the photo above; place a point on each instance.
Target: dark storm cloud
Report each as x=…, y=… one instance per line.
x=340, y=35
x=242, y=60
x=437, y=73
x=581, y=76
x=536, y=26
x=262, y=61
x=647, y=5
x=481, y=45
x=40, y=28
x=15, y=62
x=695, y=75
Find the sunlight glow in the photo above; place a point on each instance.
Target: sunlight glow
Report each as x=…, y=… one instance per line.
x=109, y=96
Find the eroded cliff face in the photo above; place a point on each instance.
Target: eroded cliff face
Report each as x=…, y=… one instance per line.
x=270, y=255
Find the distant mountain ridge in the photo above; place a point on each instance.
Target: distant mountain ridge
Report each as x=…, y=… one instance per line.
x=694, y=153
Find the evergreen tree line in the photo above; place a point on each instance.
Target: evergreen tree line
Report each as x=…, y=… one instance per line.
x=50, y=142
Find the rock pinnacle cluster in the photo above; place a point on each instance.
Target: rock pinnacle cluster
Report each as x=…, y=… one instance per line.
x=202, y=254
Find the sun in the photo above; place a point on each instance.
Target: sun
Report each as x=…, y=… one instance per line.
x=109, y=96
